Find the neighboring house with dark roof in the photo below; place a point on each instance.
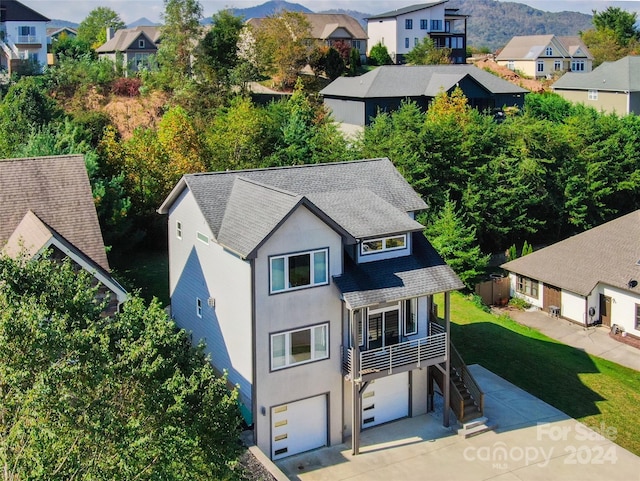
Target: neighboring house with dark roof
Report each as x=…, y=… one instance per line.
x=357, y=100
x=590, y=278
x=402, y=29
x=134, y=47
x=55, y=34
x=307, y=284
x=330, y=28
x=613, y=87
x=23, y=36
x=545, y=55
x=46, y=204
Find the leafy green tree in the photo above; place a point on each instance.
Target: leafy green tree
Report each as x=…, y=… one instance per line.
x=93, y=29
x=604, y=45
x=181, y=27
x=456, y=242
x=88, y=397
x=334, y=64
x=426, y=53
x=379, y=55
x=282, y=46
x=217, y=53
x=621, y=22
x=72, y=47
x=354, y=62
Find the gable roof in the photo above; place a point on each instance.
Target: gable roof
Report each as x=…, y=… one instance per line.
x=525, y=47
x=607, y=254
x=57, y=190
x=415, y=81
x=405, y=10
x=14, y=11
x=364, y=198
x=574, y=45
x=325, y=24
x=620, y=76
x=54, y=31
x=123, y=39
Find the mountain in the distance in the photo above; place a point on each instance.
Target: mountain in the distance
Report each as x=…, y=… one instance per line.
x=264, y=10
x=143, y=22
x=57, y=23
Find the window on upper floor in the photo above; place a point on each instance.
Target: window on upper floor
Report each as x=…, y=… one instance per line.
x=527, y=286
x=27, y=31
x=638, y=316
x=406, y=42
x=202, y=238
x=179, y=229
x=198, y=307
x=540, y=66
x=356, y=44
x=411, y=317
x=141, y=43
x=408, y=24
x=383, y=244
x=548, y=51
x=436, y=25
x=592, y=95
x=299, y=270
x=299, y=346
x=447, y=26
x=424, y=24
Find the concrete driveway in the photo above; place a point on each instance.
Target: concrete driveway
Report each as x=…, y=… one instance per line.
x=533, y=441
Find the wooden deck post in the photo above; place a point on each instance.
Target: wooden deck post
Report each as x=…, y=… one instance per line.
x=356, y=393
x=447, y=372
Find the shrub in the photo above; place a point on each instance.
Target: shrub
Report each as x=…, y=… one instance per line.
x=127, y=86
x=518, y=303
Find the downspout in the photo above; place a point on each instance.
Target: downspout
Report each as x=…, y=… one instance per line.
x=254, y=377
x=447, y=373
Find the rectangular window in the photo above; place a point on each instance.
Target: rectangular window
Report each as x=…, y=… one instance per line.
x=557, y=65
x=548, y=51
x=356, y=44
x=638, y=316
x=408, y=24
x=416, y=41
x=299, y=346
x=374, y=246
x=424, y=24
x=447, y=26
x=202, y=238
x=179, y=230
x=577, y=65
x=411, y=317
x=511, y=65
x=198, y=307
x=296, y=271
x=436, y=25
x=540, y=66
x=527, y=286
x=406, y=42
x=141, y=43
x=592, y=95
x=26, y=31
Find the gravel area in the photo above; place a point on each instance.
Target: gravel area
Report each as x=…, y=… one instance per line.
x=251, y=469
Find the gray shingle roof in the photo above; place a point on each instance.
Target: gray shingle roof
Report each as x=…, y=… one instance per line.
x=16, y=11
x=57, y=190
x=364, y=198
x=530, y=47
x=414, y=81
x=607, y=254
x=124, y=39
x=620, y=76
x=423, y=273
x=404, y=10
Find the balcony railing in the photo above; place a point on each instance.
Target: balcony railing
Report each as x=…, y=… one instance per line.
x=396, y=358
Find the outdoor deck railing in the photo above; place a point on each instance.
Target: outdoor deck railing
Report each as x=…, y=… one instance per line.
x=416, y=353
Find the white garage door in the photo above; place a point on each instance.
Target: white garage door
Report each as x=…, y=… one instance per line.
x=298, y=426
x=385, y=399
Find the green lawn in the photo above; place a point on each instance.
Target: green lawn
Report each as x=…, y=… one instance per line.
x=147, y=271
x=595, y=391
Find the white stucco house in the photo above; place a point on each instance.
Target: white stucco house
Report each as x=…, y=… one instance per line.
x=312, y=286
x=23, y=36
x=590, y=278
x=402, y=29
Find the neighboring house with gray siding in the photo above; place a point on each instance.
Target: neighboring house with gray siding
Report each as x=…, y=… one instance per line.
x=590, y=278
x=134, y=47
x=313, y=287
x=46, y=205
x=612, y=87
x=357, y=100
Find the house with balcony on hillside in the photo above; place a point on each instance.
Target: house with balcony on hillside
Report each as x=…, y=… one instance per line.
x=540, y=56
x=402, y=29
x=313, y=287
x=23, y=36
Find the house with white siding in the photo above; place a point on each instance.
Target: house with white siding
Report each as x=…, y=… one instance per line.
x=23, y=36
x=591, y=278
x=402, y=29
x=312, y=287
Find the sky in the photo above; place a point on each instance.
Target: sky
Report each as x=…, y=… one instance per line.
x=131, y=10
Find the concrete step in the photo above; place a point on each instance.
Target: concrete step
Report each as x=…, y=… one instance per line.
x=475, y=427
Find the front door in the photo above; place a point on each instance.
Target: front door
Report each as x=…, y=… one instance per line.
x=605, y=310
x=551, y=297
x=383, y=326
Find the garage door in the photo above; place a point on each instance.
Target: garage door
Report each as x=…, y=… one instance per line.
x=385, y=399
x=298, y=426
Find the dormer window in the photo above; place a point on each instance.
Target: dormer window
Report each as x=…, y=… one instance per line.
x=383, y=244
x=141, y=43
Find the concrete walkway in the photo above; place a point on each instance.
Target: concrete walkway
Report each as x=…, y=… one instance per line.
x=593, y=340
x=533, y=441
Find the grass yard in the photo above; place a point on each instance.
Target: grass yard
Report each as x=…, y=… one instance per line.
x=592, y=390
x=147, y=271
